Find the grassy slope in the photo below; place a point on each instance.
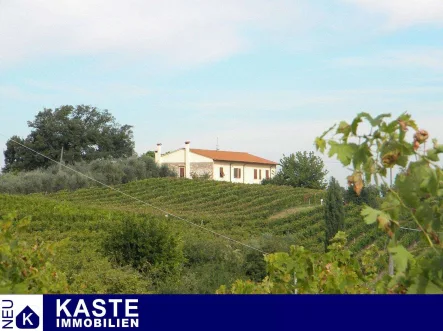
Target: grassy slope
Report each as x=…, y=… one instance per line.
x=244, y=212
x=78, y=232
x=237, y=210
x=193, y=198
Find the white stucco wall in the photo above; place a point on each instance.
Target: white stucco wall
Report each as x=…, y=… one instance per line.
x=177, y=159
x=247, y=172
x=226, y=170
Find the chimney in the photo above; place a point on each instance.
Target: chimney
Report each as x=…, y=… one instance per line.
x=158, y=154
x=187, y=160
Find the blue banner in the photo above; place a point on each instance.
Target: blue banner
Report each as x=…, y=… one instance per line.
x=216, y=312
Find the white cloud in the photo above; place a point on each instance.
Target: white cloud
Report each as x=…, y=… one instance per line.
x=261, y=102
x=16, y=93
x=254, y=105
x=421, y=58
x=405, y=13
x=183, y=32
x=190, y=31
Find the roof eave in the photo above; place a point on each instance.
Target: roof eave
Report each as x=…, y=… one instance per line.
x=248, y=162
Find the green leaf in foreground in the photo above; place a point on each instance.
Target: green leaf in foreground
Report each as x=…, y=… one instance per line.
x=401, y=257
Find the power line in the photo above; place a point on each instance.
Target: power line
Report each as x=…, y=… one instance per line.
x=155, y=207
x=141, y=201
x=416, y=230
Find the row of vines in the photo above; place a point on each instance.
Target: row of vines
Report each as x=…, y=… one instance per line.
x=197, y=199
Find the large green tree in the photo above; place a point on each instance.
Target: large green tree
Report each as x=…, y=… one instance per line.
x=334, y=211
x=369, y=195
x=84, y=132
x=300, y=170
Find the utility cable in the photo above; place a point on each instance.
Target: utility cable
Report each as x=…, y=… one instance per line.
x=141, y=201
x=155, y=207
x=416, y=230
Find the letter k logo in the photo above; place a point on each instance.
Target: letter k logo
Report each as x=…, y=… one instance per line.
x=27, y=319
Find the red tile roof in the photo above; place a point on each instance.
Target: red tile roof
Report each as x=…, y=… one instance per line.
x=231, y=156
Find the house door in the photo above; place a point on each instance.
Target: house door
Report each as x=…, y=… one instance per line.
x=182, y=172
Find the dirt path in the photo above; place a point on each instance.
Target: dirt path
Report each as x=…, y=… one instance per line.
x=290, y=211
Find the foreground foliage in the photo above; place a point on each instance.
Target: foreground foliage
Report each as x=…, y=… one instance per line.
x=416, y=198
x=69, y=239
x=25, y=267
x=417, y=194
x=303, y=272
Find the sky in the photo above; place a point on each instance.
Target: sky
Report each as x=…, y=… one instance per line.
x=264, y=77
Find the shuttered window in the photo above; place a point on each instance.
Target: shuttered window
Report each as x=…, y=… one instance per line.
x=255, y=173
x=222, y=173
x=267, y=174
x=237, y=173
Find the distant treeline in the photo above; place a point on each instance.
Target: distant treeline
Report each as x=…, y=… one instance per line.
x=109, y=171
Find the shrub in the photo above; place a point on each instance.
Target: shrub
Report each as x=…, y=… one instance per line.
x=254, y=265
x=147, y=246
x=209, y=263
x=88, y=271
x=109, y=171
x=203, y=176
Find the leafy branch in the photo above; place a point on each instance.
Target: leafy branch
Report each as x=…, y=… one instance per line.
x=417, y=191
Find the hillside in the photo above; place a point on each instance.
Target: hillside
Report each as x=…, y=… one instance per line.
x=268, y=217
x=82, y=219
x=195, y=199
x=234, y=209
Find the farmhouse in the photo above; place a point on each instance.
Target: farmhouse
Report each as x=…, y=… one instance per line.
x=235, y=167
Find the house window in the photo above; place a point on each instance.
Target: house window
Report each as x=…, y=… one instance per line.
x=222, y=173
x=267, y=174
x=237, y=173
x=182, y=172
x=255, y=173
x=259, y=174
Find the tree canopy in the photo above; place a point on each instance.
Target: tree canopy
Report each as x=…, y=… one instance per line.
x=369, y=195
x=85, y=133
x=301, y=170
x=334, y=211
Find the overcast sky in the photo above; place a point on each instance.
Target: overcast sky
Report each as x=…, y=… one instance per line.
x=265, y=77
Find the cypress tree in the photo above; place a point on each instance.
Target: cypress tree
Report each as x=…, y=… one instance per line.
x=334, y=211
